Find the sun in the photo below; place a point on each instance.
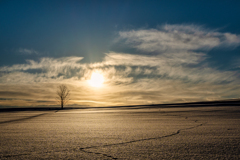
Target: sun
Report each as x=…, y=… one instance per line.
x=96, y=80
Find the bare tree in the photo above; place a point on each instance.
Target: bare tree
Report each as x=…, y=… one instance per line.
x=63, y=94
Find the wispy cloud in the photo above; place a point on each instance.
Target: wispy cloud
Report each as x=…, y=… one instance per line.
x=178, y=71
x=27, y=51
x=44, y=69
x=175, y=38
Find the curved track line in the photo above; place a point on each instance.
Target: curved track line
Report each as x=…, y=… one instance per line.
x=133, y=141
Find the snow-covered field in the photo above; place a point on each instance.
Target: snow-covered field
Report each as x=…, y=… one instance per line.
x=122, y=133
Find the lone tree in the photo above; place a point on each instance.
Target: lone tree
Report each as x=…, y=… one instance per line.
x=63, y=94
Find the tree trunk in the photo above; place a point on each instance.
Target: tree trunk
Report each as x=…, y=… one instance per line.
x=61, y=104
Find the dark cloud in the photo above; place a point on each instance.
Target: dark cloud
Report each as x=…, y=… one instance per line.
x=13, y=93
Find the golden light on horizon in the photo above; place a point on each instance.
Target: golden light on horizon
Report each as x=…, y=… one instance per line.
x=96, y=80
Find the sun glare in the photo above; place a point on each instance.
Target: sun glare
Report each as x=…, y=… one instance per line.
x=96, y=80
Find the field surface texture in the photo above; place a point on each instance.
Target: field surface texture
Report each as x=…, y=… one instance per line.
x=122, y=133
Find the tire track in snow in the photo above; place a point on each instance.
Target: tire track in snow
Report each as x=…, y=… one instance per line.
x=97, y=153
x=133, y=141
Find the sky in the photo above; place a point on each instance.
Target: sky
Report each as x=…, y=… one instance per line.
x=145, y=51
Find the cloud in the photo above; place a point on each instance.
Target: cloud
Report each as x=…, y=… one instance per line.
x=176, y=59
x=27, y=51
x=235, y=64
x=175, y=38
x=171, y=66
x=178, y=71
x=45, y=69
x=10, y=93
x=45, y=63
